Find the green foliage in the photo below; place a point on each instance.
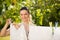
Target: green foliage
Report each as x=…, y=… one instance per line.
x=42, y=11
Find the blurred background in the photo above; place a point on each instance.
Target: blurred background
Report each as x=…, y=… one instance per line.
x=43, y=11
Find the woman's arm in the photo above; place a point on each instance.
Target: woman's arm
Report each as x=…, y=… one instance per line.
x=4, y=30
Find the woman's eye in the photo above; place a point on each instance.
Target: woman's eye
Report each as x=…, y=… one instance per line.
x=26, y=14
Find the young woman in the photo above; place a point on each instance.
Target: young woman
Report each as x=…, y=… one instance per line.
x=19, y=31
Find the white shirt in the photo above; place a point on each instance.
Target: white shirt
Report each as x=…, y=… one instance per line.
x=18, y=34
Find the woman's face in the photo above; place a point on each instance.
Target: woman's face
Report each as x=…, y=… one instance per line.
x=24, y=15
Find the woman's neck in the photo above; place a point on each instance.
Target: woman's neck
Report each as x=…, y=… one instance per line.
x=26, y=23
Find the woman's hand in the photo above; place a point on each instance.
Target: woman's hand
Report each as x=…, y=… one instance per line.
x=16, y=25
x=8, y=21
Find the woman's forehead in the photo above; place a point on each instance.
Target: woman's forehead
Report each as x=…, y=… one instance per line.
x=23, y=11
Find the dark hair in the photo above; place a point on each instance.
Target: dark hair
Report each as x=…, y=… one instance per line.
x=25, y=8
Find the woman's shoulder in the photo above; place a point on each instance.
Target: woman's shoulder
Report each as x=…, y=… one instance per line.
x=14, y=24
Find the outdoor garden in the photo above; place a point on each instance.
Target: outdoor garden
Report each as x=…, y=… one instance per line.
x=43, y=12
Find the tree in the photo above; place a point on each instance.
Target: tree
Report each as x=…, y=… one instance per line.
x=42, y=11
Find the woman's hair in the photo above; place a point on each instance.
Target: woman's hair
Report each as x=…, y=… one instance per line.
x=25, y=8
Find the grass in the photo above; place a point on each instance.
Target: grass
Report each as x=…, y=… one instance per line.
x=5, y=38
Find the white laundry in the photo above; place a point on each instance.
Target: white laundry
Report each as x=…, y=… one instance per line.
x=35, y=33
x=17, y=34
x=57, y=33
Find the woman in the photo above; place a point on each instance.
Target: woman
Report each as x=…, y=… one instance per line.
x=19, y=31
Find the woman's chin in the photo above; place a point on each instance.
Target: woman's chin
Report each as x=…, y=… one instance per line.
x=24, y=20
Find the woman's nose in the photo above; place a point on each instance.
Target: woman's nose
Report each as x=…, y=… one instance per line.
x=23, y=16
